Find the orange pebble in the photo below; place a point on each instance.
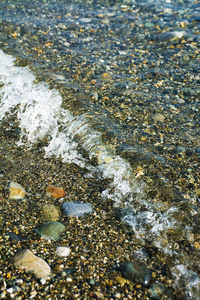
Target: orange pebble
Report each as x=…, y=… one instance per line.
x=55, y=192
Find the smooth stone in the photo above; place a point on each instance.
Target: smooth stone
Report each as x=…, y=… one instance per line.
x=91, y=281
x=16, y=191
x=136, y=272
x=62, y=251
x=159, y=117
x=2, y=295
x=25, y=259
x=55, y=192
x=76, y=209
x=149, y=25
x=14, y=289
x=51, y=230
x=3, y=284
x=85, y=20
x=50, y=212
x=121, y=280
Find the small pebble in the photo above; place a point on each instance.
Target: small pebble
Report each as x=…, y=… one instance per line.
x=62, y=251
x=43, y=280
x=55, y=192
x=16, y=191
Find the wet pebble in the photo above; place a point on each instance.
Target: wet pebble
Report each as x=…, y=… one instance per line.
x=25, y=259
x=51, y=230
x=50, y=212
x=62, y=251
x=136, y=272
x=2, y=295
x=76, y=209
x=14, y=289
x=16, y=191
x=55, y=192
x=159, y=117
x=91, y=281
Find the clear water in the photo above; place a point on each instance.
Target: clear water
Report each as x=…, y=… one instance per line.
x=114, y=87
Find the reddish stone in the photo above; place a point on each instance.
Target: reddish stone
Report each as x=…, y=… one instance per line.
x=55, y=192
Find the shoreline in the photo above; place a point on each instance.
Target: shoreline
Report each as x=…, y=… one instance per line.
x=97, y=241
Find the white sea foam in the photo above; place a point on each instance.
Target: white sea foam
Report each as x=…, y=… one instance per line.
x=41, y=115
x=38, y=109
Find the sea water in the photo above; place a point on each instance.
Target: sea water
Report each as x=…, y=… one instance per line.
x=112, y=86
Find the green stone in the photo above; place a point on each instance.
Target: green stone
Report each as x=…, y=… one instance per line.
x=51, y=230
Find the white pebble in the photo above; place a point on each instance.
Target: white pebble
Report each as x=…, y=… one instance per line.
x=62, y=251
x=118, y=295
x=19, y=281
x=69, y=279
x=2, y=295
x=43, y=280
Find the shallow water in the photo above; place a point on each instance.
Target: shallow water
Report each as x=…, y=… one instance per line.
x=114, y=88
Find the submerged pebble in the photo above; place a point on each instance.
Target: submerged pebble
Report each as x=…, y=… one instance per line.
x=77, y=209
x=55, y=192
x=51, y=230
x=136, y=272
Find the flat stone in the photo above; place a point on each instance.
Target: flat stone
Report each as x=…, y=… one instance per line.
x=136, y=272
x=55, y=192
x=51, y=230
x=16, y=191
x=50, y=212
x=76, y=209
x=25, y=259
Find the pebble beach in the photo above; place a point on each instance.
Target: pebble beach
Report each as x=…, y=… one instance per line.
x=99, y=109
x=99, y=243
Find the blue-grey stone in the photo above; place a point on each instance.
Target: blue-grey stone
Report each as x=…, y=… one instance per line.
x=76, y=209
x=136, y=272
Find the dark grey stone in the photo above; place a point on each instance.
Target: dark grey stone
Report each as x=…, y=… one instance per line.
x=136, y=272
